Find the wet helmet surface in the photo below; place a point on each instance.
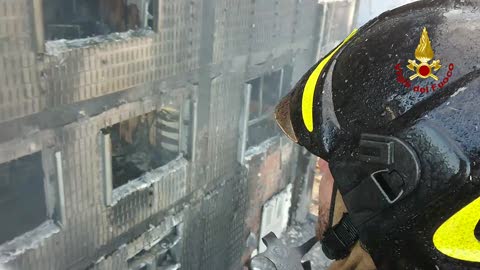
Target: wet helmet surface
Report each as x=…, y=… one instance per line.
x=395, y=111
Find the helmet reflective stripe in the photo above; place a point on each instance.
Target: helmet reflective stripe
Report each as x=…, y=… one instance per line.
x=309, y=90
x=456, y=238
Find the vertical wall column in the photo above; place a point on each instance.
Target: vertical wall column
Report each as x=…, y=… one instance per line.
x=205, y=58
x=204, y=88
x=39, y=35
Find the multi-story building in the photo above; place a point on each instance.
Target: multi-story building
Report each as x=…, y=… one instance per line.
x=139, y=134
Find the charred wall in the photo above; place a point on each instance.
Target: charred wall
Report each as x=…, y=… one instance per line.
x=58, y=96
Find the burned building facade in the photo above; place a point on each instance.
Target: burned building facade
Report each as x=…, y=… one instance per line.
x=139, y=134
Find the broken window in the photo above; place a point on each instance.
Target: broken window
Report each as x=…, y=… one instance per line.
x=162, y=256
x=264, y=95
x=271, y=91
x=143, y=143
x=287, y=80
x=73, y=19
x=22, y=196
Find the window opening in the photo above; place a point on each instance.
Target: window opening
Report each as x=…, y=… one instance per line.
x=22, y=196
x=264, y=96
x=271, y=91
x=143, y=143
x=74, y=19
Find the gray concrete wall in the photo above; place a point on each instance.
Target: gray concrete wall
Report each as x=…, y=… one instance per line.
x=58, y=99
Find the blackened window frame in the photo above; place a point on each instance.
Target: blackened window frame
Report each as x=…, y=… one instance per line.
x=186, y=108
x=39, y=24
x=262, y=115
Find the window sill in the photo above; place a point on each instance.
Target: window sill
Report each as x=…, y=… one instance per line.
x=60, y=46
x=27, y=241
x=146, y=180
x=261, y=148
x=268, y=115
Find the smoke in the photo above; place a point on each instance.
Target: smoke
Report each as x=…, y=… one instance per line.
x=2, y=267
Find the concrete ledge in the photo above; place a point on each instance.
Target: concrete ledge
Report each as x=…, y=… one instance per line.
x=27, y=241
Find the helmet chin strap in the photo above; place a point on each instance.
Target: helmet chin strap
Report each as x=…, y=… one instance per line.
x=339, y=240
x=390, y=161
x=341, y=235
x=356, y=256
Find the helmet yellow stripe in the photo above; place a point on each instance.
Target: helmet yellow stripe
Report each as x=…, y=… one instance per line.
x=456, y=236
x=309, y=90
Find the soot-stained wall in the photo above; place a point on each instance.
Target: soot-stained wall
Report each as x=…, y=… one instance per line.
x=56, y=97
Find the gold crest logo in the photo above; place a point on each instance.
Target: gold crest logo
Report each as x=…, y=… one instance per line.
x=424, y=53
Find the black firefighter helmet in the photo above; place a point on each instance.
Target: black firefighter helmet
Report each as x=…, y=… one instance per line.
x=395, y=110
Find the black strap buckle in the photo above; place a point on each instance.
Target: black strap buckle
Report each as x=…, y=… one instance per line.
x=392, y=172
x=338, y=240
x=398, y=168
